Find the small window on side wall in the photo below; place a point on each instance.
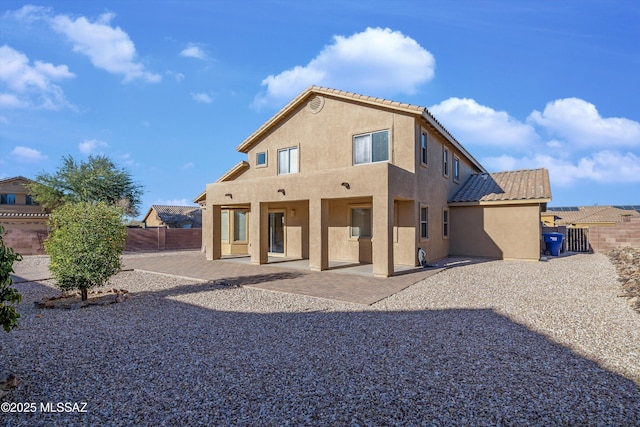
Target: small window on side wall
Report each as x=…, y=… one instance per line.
x=424, y=222
x=261, y=159
x=456, y=168
x=423, y=148
x=445, y=223
x=445, y=162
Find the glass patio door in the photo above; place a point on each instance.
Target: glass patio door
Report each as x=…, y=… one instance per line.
x=276, y=233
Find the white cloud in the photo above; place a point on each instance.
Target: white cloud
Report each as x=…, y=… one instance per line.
x=378, y=61
x=193, y=51
x=188, y=165
x=10, y=100
x=176, y=75
x=26, y=154
x=202, y=97
x=90, y=146
x=107, y=47
x=601, y=167
x=31, y=85
x=475, y=124
x=30, y=13
x=579, y=123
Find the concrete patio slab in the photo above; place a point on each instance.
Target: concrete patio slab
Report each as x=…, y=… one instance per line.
x=353, y=284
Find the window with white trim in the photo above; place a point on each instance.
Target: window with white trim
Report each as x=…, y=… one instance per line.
x=224, y=226
x=456, y=168
x=445, y=223
x=424, y=222
x=445, y=161
x=239, y=226
x=423, y=148
x=371, y=147
x=361, y=222
x=288, y=160
x=261, y=159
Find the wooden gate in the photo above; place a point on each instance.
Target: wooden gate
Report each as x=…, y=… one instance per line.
x=578, y=240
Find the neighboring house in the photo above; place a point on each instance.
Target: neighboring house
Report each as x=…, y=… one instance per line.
x=173, y=217
x=340, y=176
x=18, y=210
x=589, y=216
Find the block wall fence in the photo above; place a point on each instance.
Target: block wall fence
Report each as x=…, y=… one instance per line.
x=31, y=242
x=626, y=233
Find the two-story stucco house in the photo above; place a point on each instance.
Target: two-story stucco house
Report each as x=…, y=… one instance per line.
x=340, y=176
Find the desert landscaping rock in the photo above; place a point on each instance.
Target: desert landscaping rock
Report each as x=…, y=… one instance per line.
x=627, y=263
x=494, y=343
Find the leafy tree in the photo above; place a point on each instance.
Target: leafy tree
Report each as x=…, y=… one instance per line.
x=8, y=296
x=96, y=180
x=85, y=244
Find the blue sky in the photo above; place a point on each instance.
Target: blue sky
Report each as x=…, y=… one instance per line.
x=169, y=88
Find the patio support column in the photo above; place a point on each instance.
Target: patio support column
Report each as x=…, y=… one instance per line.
x=318, y=234
x=382, y=236
x=213, y=233
x=259, y=233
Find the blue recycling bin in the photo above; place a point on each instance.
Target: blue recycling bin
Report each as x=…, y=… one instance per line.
x=553, y=242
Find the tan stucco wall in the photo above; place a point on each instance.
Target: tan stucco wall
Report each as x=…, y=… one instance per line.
x=153, y=220
x=503, y=232
x=395, y=189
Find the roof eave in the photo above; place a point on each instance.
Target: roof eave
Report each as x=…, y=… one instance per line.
x=234, y=172
x=501, y=202
x=441, y=129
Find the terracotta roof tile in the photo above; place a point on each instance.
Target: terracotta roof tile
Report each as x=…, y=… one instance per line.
x=175, y=214
x=591, y=214
x=513, y=186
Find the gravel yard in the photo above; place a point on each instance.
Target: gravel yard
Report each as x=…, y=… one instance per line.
x=495, y=343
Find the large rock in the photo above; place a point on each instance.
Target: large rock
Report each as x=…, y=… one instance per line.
x=8, y=381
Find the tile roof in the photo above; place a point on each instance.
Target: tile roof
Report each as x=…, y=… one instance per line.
x=591, y=214
x=176, y=214
x=25, y=214
x=521, y=186
x=13, y=178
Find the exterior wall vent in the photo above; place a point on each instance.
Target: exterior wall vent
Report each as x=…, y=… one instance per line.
x=316, y=104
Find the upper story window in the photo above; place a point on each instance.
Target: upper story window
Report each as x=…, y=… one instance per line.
x=7, y=199
x=371, y=147
x=261, y=159
x=423, y=148
x=445, y=162
x=456, y=168
x=288, y=160
x=29, y=200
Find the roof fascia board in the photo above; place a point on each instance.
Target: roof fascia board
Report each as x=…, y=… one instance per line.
x=236, y=170
x=500, y=202
x=437, y=126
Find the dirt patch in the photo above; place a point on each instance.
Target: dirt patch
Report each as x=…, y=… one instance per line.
x=627, y=263
x=73, y=300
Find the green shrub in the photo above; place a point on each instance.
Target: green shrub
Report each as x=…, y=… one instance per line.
x=8, y=296
x=85, y=244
